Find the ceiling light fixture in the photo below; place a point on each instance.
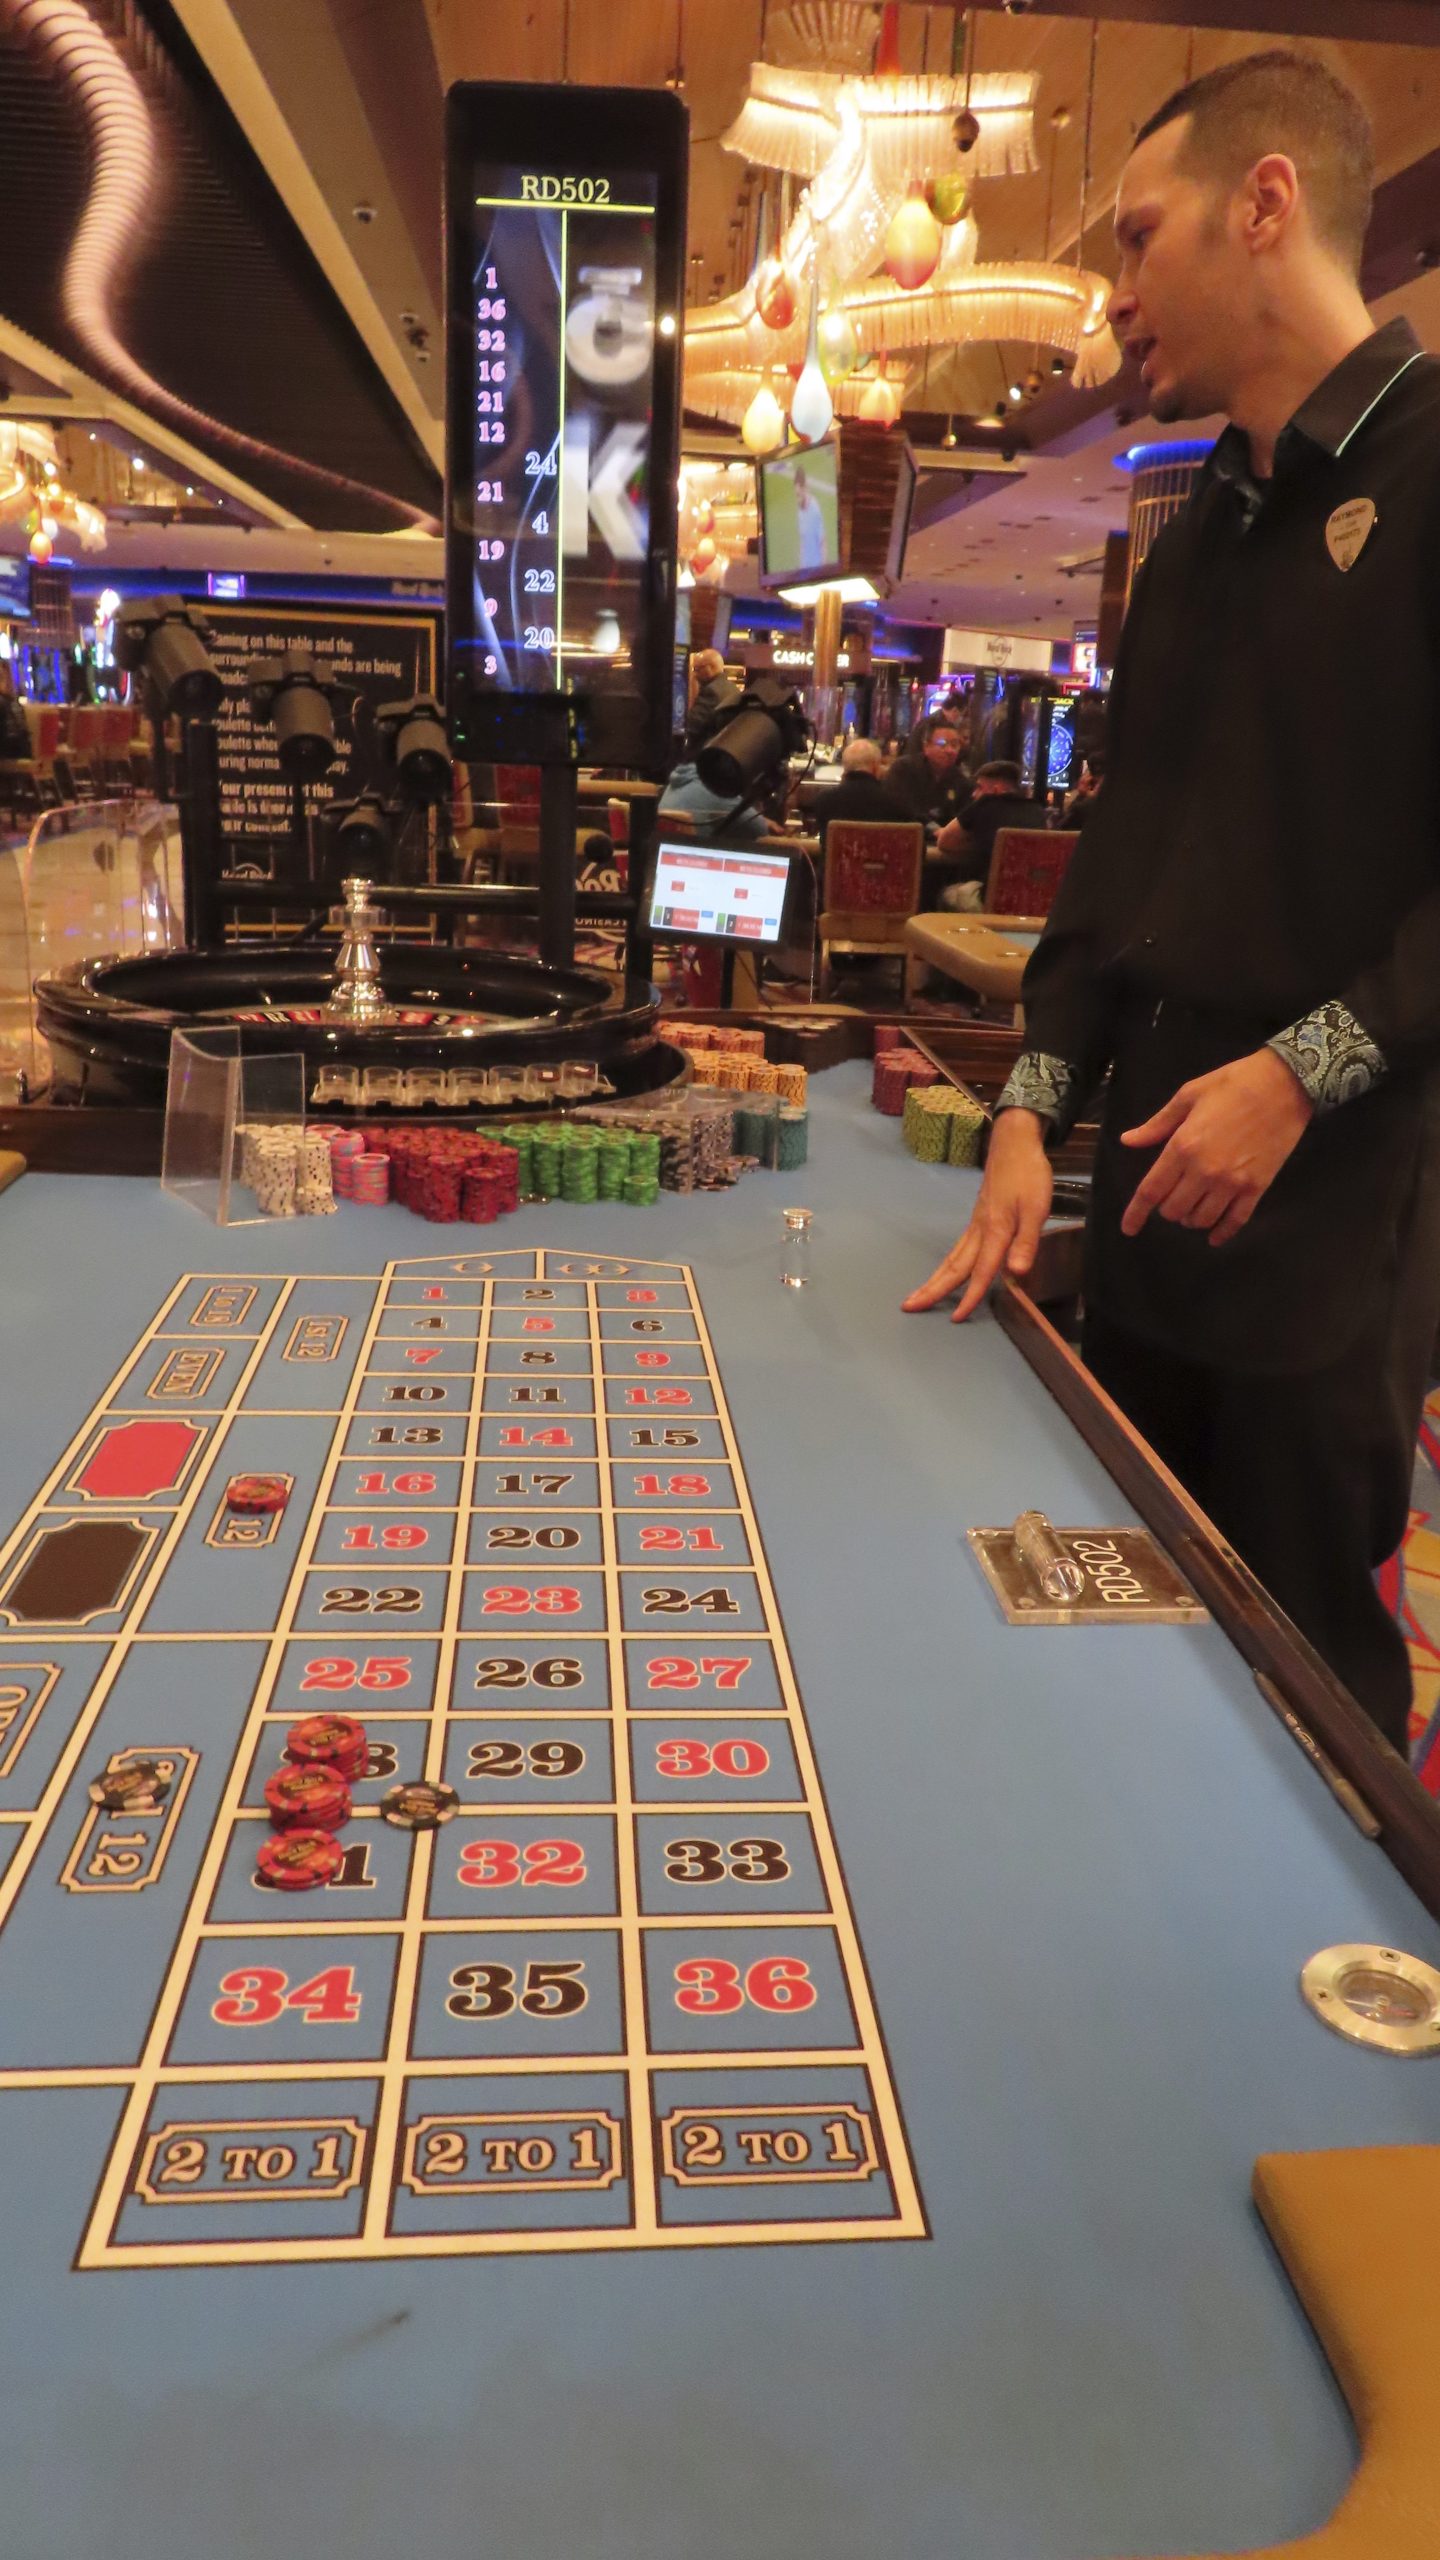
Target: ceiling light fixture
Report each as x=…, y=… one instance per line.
x=905, y=279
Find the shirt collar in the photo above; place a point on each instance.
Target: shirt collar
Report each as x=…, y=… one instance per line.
x=1335, y=410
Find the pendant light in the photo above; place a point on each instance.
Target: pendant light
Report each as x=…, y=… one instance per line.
x=763, y=426
x=913, y=243
x=811, y=407
x=838, y=346
x=881, y=403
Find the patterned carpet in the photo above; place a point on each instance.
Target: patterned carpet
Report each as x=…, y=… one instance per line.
x=1411, y=1585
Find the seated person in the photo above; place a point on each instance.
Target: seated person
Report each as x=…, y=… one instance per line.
x=715, y=700
x=859, y=793
x=14, y=729
x=688, y=807
x=1082, y=799
x=927, y=781
x=964, y=848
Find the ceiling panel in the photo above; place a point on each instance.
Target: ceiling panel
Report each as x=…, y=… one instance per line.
x=222, y=302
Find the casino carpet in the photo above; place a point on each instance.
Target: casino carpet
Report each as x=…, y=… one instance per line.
x=1410, y=1583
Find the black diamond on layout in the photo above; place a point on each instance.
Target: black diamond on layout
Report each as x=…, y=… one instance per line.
x=421, y=1806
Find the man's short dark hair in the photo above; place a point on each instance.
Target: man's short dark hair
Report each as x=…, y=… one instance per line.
x=1290, y=102
x=1004, y=771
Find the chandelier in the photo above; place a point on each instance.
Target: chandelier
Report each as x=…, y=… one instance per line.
x=33, y=495
x=880, y=254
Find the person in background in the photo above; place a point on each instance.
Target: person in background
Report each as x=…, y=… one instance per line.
x=859, y=793
x=1082, y=799
x=686, y=805
x=715, y=700
x=926, y=782
x=14, y=730
x=965, y=847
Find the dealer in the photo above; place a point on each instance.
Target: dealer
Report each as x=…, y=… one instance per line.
x=1248, y=937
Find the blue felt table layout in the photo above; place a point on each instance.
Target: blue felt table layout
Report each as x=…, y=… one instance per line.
x=418, y=2214
x=636, y=1906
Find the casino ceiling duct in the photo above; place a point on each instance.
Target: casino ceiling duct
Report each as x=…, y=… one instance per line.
x=98, y=80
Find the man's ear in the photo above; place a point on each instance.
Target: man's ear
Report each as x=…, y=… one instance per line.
x=1273, y=195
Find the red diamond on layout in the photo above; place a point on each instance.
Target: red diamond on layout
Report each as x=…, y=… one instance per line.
x=133, y=1461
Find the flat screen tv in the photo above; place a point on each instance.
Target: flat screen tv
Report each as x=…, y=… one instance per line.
x=14, y=588
x=839, y=509
x=800, y=515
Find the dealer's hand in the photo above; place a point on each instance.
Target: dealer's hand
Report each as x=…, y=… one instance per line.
x=1223, y=1138
x=1013, y=1206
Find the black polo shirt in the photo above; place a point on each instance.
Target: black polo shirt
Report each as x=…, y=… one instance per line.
x=915, y=790
x=1264, y=861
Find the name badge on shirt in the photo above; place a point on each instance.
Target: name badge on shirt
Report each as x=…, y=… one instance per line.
x=1348, y=530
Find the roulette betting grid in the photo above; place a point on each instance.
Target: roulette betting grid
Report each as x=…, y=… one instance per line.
x=610, y=1995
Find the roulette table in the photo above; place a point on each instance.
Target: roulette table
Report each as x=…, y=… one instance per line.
x=773, y=2056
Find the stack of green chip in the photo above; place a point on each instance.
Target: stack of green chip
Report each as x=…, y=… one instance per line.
x=614, y=1166
x=642, y=1182
x=546, y=1151
x=522, y=1140
x=793, y=1139
x=942, y=1125
x=925, y=1125
x=967, y=1130
x=580, y=1166
x=752, y=1134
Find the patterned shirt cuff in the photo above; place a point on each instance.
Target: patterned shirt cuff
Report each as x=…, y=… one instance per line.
x=1331, y=1055
x=1038, y=1083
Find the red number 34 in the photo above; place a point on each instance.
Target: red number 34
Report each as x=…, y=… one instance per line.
x=328, y=1999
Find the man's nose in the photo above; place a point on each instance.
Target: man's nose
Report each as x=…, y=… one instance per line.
x=1121, y=308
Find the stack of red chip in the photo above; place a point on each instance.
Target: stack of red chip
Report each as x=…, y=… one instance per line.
x=257, y=1493
x=889, y=1035
x=312, y=1799
x=491, y=1186
x=308, y=1800
x=895, y=1071
x=328, y=1742
x=294, y=1861
x=345, y=1147
x=443, y=1174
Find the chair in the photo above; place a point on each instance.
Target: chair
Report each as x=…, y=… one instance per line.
x=1026, y=869
x=872, y=888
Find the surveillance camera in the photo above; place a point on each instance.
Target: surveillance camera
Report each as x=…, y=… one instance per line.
x=363, y=212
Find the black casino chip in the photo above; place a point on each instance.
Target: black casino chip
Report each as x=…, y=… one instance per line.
x=137, y=1787
x=421, y=1806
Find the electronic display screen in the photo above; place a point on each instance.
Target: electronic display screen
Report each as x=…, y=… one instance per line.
x=1060, y=750
x=1030, y=738
x=719, y=895
x=563, y=313
x=14, y=588
x=905, y=487
x=800, y=513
